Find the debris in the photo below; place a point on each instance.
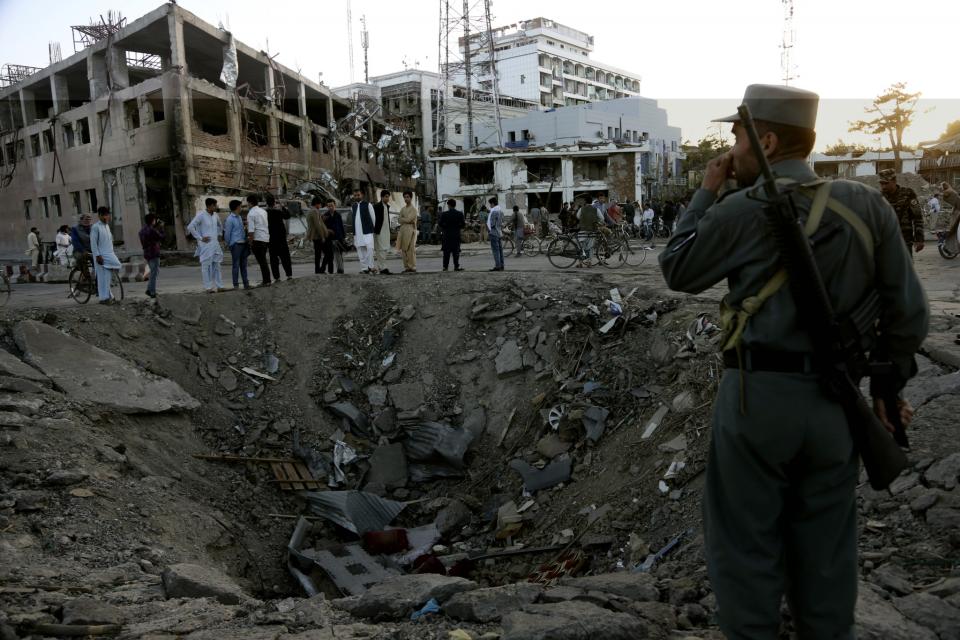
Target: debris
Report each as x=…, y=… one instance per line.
x=81, y=493
x=434, y=444
x=432, y=606
x=406, y=396
x=459, y=634
x=492, y=603
x=388, y=360
x=399, y=596
x=509, y=521
x=685, y=401
x=421, y=540
x=386, y=542
x=194, y=581
x=655, y=422
x=453, y=518
x=358, y=422
x=674, y=469
x=355, y=511
x=271, y=363
x=594, y=422
x=497, y=314
x=506, y=427
x=509, y=360
x=343, y=455
x=536, y=479
x=388, y=467
x=555, y=415
x=253, y=372
x=653, y=558
x=676, y=445
x=550, y=446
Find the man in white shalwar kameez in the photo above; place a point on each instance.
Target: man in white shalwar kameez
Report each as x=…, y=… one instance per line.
x=207, y=230
x=105, y=260
x=363, y=231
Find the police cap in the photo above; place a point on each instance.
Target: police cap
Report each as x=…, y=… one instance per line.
x=776, y=103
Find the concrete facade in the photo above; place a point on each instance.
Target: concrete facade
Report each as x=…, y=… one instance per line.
x=95, y=130
x=549, y=176
x=549, y=63
x=866, y=164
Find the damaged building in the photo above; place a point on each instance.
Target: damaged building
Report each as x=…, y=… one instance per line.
x=161, y=113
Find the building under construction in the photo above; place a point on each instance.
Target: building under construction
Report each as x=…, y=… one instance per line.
x=156, y=115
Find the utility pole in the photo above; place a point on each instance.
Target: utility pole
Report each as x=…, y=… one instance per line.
x=495, y=88
x=786, y=45
x=468, y=142
x=365, y=43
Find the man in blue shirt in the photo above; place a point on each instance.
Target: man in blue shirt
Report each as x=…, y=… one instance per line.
x=235, y=236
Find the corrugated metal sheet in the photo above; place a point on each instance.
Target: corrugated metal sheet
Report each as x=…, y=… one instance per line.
x=355, y=511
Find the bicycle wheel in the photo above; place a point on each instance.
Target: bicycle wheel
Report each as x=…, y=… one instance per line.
x=611, y=256
x=634, y=255
x=509, y=248
x=563, y=253
x=81, y=286
x=116, y=285
x=531, y=247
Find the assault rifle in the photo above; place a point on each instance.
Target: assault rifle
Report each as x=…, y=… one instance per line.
x=837, y=342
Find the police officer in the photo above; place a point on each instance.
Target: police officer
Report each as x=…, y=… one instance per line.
x=779, y=504
x=907, y=207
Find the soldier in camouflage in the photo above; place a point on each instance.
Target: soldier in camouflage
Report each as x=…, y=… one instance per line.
x=907, y=207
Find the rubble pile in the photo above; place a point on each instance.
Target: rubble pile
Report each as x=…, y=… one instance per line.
x=430, y=459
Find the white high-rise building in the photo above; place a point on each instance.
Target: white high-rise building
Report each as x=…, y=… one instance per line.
x=549, y=63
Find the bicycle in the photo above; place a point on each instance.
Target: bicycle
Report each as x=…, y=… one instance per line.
x=83, y=282
x=566, y=250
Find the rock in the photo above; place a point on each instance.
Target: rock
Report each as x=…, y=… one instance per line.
x=491, y=604
x=574, y=620
x=406, y=396
x=26, y=501
x=684, y=401
x=948, y=587
x=268, y=632
x=924, y=501
x=19, y=385
x=660, y=613
x=408, y=312
x=66, y=477
x=398, y=596
x=26, y=405
x=676, y=445
x=386, y=422
x=943, y=519
x=453, y=518
x=904, y=483
x=11, y=365
x=90, y=611
x=892, y=578
x=388, y=466
x=661, y=350
x=476, y=422
x=90, y=374
x=550, y=446
x=14, y=420
x=560, y=594
x=944, y=473
x=377, y=395
x=194, y=581
x=877, y=620
x=633, y=586
x=228, y=380
x=931, y=612
x=509, y=360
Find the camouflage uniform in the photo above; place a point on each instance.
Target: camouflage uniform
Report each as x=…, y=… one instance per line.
x=907, y=207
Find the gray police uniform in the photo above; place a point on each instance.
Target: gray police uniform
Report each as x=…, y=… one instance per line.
x=780, y=506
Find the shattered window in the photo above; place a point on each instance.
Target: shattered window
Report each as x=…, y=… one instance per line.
x=83, y=130
x=68, y=139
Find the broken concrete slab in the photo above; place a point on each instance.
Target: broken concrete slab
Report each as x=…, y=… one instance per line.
x=376, y=395
x=491, y=604
x=27, y=405
x=11, y=365
x=550, y=446
x=90, y=611
x=931, y=612
x=877, y=620
x=65, y=477
x=509, y=360
x=397, y=597
x=453, y=518
x=91, y=374
x=388, y=466
x=406, y=396
x=945, y=472
x=350, y=567
x=496, y=314
x=676, y=445
x=476, y=422
x=639, y=587
x=194, y=581
x=19, y=385
x=595, y=422
x=575, y=620
x=356, y=419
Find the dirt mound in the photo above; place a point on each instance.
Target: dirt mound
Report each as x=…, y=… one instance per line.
x=545, y=427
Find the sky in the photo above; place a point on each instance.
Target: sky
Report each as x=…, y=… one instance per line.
x=694, y=56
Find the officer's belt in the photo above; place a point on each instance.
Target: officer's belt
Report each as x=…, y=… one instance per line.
x=753, y=359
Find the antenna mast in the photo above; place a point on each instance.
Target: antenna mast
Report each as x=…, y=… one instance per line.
x=365, y=43
x=786, y=45
x=350, y=38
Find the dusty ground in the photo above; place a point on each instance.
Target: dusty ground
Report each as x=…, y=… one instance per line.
x=98, y=504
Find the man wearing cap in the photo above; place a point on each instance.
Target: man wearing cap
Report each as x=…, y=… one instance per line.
x=779, y=504
x=906, y=206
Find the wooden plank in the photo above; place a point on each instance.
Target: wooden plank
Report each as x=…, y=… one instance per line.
x=280, y=475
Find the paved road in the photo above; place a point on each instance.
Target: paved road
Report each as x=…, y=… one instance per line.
x=941, y=277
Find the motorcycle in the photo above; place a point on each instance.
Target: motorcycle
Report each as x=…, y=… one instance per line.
x=948, y=250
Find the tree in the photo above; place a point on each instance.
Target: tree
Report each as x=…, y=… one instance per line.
x=841, y=148
x=706, y=149
x=894, y=109
x=953, y=129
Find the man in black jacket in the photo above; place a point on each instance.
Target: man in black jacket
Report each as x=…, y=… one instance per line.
x=279, y=251
x=451, y=223
x=381, y=231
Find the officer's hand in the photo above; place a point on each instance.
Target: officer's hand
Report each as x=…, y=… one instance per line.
x=906, y=413
x=718, y=170
x=918, y=246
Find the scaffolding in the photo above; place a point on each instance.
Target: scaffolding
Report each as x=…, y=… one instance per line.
x=86, y=35
x=11, y=74
x=467, y=59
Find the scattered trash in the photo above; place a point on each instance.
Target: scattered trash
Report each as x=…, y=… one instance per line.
x=387, y=361
x=674, y=469
x=253, y=372
x=432, y=606
x=663, y=486
x=653, y=558
x=271, y=363
x=343, y=455
x=550, y=476
x=436, y=449
x=509, y=521
x=655, y=422
x=356, y=420
x=594, y=422
x=555, y=415
x=421, y=541
x=355, y=511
